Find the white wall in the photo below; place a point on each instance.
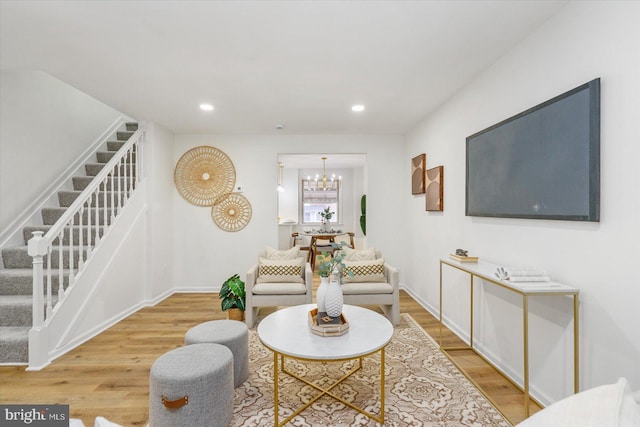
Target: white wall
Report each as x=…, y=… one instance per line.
x=585, y=40
x=205, y=256
x=45, y=125
x=159, y=165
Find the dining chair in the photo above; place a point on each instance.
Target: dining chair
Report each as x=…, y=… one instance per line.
x=320, y=245
x=302, y=241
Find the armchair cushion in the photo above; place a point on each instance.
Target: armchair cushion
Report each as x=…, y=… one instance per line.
x=366, y=288
x=292, y=253
x=280, y=271
x=279, y=289
x=364, y=271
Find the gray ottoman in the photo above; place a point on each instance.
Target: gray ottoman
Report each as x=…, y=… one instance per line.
x=230, y=333
x=192, y=386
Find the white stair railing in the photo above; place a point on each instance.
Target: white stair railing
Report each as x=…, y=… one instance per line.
x=89, y=217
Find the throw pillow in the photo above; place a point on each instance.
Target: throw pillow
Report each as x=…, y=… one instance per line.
x=280, y=271
x=364, y=271
x=359, y=254
x=292, y=253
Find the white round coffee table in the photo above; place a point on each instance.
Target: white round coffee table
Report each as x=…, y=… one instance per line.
x=287, y=333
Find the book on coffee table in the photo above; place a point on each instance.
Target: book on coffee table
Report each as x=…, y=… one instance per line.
x=327, y=326
x=324, y=319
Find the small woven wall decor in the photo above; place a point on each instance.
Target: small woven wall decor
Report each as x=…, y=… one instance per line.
x=231, y=212
x=203, y=174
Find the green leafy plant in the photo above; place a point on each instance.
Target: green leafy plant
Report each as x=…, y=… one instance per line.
x=326, y=214
x=232, y=293
x=363, y=217
x=332, y=263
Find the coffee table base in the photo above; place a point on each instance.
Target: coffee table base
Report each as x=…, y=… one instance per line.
x=324, y=391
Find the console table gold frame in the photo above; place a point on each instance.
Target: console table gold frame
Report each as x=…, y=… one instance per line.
x=484, y=271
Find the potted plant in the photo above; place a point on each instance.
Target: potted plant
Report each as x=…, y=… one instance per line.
x=326, y=215
x=232, y=295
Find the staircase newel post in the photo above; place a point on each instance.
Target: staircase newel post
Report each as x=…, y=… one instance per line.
x=34, y=251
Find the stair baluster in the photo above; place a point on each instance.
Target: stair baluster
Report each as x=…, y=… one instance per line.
x=80, y=243
x=119, y=197
x=90, y=203
x=96, y=238
x=132, y=177
x=71, y=276
x=113, y=204
x=60, y=275
x=49, y=282
x=105, y=215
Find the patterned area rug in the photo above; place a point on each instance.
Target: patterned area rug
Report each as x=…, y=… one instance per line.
x=422, y=388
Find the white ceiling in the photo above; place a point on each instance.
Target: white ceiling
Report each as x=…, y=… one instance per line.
x=263, y=63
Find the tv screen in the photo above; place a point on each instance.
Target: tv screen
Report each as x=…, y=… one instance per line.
x=543, y=163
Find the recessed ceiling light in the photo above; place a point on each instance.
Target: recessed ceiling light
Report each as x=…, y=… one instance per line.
x=357, y=108
x=206, y=107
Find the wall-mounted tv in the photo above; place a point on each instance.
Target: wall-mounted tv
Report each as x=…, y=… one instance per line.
x=543, y=163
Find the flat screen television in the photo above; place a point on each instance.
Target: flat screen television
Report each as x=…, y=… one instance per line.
x=543, y=163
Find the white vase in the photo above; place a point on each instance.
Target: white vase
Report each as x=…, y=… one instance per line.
x=321, y=294
x=333, y=300
x=325, y=226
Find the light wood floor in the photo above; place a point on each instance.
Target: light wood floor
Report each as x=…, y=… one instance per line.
x=109, y=375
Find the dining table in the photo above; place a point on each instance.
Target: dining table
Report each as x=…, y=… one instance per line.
x=329, y=236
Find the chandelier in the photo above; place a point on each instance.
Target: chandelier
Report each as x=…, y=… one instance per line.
x=322, y=183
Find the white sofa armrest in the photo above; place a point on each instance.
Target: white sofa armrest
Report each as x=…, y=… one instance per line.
x=250, y=278
x=392, y=276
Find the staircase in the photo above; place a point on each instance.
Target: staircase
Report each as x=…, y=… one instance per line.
x=16, y=278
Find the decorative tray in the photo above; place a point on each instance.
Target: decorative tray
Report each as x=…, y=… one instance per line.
x=336, y=328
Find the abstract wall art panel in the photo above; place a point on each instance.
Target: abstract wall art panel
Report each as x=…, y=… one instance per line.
x=434, y=188
x=417, y=174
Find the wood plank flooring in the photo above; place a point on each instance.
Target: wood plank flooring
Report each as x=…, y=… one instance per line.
x=109, y=375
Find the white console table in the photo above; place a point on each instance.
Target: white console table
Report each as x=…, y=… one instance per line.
x=485, y=271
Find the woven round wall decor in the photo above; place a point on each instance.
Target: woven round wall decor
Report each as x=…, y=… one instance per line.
x=231, y=213
x=203, y=174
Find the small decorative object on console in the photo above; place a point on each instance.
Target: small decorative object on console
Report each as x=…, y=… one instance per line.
x=463, y=256
x=501, y=273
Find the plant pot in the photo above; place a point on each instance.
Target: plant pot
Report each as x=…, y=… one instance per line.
x=235, y=314
x=321, y=294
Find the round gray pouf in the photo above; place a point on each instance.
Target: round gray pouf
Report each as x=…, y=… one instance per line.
x=192, y=386
x=232, y=334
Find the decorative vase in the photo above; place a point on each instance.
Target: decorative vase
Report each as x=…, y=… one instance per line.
x=325, y=226
x=333, y=300
x=321, y=294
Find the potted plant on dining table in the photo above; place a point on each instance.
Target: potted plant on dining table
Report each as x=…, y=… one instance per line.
x=326, y=215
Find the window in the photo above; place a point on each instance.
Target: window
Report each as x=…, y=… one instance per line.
x=315, y=199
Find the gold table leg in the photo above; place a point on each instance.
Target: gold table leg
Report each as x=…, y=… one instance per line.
x=325, y=391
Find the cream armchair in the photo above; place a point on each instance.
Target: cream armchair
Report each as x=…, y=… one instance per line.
x=384, y=292
x=280, y=290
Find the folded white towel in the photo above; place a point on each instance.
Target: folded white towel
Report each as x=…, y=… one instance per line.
x=527, y=272
x=529, y=279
